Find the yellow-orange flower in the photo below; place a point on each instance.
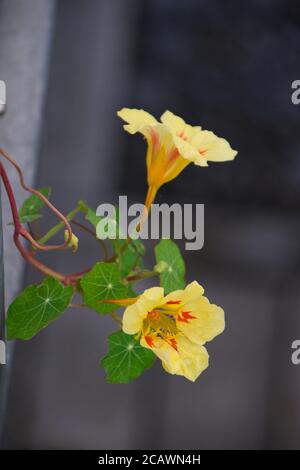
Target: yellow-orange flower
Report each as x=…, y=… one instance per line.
x=176, y=327
x=172, y=145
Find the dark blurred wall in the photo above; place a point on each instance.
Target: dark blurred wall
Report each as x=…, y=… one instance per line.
x=228, y=66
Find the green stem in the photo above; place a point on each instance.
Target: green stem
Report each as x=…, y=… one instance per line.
x=117, y=319
x=142, y=275
x=54, y=230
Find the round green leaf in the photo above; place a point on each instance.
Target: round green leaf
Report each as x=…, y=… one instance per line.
x=126, y=358
x=172, y=278
x=36, y=307
x=104, y=282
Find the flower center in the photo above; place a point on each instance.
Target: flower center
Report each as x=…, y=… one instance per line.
x=160, y=323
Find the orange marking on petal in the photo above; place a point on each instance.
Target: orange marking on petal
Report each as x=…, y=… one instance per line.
x=155, y=139
x=173, y=302
x=186, y=317
x=202, y=152
x=172, y=156
x=183, y=320
x=173, y=344
x=182, y=135
x=149, y=341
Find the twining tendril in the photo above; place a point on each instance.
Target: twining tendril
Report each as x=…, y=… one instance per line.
x=24, y=232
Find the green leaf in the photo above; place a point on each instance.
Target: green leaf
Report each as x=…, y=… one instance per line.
x=26, y=219
x=104, y=282
x=32, y=207
x=36, y=307
x=92, y=217
x=131, y=257
x=127, y=258
x=126, y=358
x=139, y=247
x=172, y=278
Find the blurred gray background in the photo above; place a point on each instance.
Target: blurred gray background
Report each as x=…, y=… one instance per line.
x=227, y=65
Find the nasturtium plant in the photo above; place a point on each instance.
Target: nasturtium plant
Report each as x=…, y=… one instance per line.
x=128, y=255
x=172, y=277
x=172, y=320
x=36, y=307
x=104, y=282
x=31, y=209
x=92, y=217
x=126, y=358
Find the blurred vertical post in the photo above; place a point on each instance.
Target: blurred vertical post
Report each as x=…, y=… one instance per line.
x=25, y=33
x=2, y=327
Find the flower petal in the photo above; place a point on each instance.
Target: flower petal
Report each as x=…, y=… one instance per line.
x=188, y=360
x=164, y=351
x=138, y=120
x=212, y=148
x=188, y=151
x=202, y=322
x=194, y=358
x=178, y=126
x=198, y=319
x=135, y=314
x=192, y=291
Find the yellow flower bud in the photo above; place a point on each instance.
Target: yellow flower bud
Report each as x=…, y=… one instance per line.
x=73, y=243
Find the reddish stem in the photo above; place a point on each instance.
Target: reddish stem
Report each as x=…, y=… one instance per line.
x=26, y=234
x=19, y=230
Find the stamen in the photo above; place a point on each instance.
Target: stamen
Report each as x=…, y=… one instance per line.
x=154, y=315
